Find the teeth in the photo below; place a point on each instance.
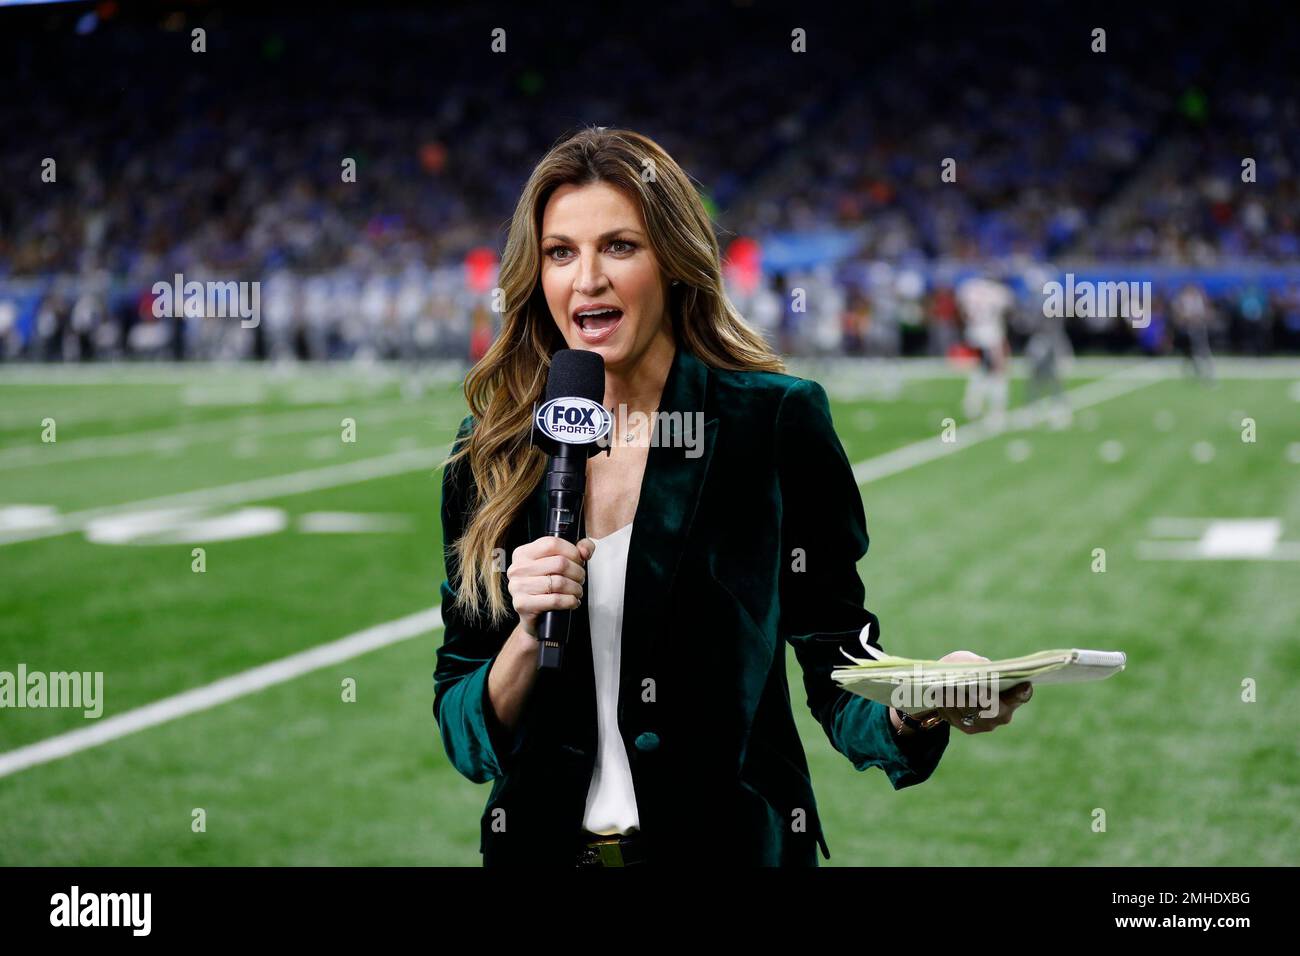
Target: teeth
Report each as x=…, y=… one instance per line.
x=588, y=315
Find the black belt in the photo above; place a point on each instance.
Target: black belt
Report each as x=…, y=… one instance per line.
x=611, y=849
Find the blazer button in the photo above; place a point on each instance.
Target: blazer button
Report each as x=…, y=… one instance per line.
x=647, y=742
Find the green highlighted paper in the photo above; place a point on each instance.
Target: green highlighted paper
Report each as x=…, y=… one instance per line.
x=917, y=683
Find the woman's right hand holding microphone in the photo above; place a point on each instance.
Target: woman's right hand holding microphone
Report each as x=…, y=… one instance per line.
x=547, y=575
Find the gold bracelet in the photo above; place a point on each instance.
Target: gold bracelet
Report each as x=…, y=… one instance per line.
x=911, y=720
x=934, y=720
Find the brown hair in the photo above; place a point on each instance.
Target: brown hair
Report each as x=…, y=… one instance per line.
x=503, y=386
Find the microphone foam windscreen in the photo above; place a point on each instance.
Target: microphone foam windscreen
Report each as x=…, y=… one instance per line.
x=576, y=373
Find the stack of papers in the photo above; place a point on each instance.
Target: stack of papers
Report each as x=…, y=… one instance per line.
x=916, y=686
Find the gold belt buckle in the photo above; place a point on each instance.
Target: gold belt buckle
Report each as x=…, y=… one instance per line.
x=610, y=853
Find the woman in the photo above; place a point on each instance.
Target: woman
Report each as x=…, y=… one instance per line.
x=668, y=735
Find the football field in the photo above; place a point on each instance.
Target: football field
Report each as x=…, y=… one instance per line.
x=251, y=559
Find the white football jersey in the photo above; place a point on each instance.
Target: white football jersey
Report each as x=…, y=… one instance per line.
x=984, y=303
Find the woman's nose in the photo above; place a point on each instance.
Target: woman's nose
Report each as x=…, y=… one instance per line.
x=590, y=278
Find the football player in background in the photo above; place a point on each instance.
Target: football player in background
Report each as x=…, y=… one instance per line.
x=1192, y=318
x=984, y=304
x=1047, y=350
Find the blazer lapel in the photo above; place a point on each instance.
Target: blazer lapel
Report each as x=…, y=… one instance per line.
x=670, y=487
x=665, y=513
x=670, y=492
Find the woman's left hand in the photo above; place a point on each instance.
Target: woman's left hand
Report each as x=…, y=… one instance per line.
x=1008, y=701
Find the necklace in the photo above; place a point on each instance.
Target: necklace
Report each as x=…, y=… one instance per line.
x=630, y=437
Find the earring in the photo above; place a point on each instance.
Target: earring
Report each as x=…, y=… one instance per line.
x=677, y=282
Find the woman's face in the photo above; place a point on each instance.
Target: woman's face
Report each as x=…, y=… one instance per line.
x=595, y=252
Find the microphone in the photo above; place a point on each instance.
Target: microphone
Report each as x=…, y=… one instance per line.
x=569, y=426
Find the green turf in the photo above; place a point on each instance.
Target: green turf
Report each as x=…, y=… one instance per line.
x=988, y=549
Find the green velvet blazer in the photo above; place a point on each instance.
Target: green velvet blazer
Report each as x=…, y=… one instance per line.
x=746, y=542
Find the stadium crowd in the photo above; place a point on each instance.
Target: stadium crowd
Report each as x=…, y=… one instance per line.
x=234, y=169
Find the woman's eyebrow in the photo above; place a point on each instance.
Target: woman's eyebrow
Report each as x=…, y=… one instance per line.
x=607, y=235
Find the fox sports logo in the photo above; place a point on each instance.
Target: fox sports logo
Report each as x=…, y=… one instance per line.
x=574, y=421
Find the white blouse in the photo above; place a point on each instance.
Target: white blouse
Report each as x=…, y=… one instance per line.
x=611, y=802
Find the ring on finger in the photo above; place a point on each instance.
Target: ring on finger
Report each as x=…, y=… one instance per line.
x=550, y=588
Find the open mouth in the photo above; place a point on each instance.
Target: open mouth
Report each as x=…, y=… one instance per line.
x=595, y=325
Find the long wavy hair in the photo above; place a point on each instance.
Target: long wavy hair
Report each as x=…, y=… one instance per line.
x=503, y=386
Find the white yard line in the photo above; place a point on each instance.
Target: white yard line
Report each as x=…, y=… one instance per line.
x=258, y=489
x=246, y=426
x=189, y=373
x=221, y=691
x=973, y=433
x=75, y=416
x=854, y=370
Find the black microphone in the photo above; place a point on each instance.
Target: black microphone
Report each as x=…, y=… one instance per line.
x=568, y=425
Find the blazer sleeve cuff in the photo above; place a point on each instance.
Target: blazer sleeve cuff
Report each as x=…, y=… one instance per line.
x=502, y=742
x=916, y=755
x=478, y=744
x=869, y=741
